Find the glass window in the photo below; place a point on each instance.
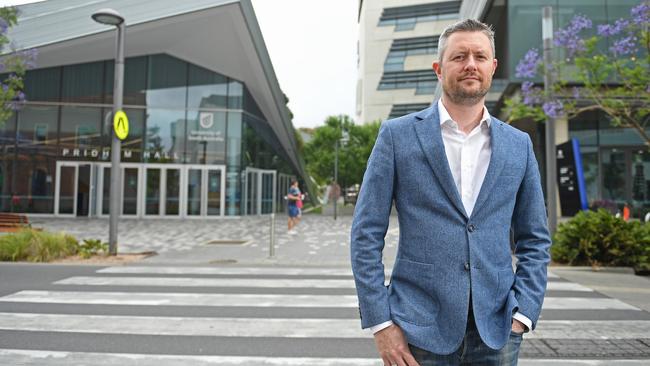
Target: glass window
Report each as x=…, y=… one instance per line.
x=167, y=82
x=37, y=129
x=207, y=89
x=7, y=155
x=206, y=137
x=165, y=137
x=80, y=135
x=235, y=95
x=43, y=85
x=585, y=128
x=83, y=83
x=37, y=153
x=135, y=81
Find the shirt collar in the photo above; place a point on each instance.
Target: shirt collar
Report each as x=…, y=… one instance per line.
x=444, y=115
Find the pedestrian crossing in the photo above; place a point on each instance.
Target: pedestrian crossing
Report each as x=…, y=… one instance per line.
x=257, y=316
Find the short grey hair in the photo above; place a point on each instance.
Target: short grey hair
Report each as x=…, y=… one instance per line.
x=467, y=25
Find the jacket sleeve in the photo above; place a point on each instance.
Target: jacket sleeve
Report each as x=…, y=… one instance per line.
x=370, y=222
x=532, y=241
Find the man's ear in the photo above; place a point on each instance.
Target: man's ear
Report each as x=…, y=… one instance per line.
x=437, y=67
x=494, y=68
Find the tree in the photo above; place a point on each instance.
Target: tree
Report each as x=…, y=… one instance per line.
x=593, y=76
x=13, y=65
x=319, y=152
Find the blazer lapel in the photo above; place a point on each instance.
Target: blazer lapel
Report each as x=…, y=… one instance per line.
x=427, y=129
x=497, y=162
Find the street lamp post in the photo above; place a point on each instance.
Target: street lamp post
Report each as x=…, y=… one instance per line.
x=112, y=17
x=551, y=173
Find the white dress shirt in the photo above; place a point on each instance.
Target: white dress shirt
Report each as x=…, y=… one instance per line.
x=469, y=157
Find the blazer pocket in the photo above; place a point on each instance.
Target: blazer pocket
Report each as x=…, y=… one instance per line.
x=412, y=293
x=505, y=280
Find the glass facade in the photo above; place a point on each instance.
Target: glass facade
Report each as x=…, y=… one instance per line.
x=182, y=117
x=615, y=164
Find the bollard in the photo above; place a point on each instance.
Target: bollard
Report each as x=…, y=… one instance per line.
x=272, y=241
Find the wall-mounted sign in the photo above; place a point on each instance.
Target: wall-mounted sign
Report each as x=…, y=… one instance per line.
x=121, y=125
x=206, y=120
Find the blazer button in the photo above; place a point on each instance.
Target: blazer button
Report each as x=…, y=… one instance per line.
x=467, y=266
x=471, y=228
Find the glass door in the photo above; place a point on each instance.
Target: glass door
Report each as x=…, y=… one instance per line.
x=205, y=190
x=66, y=189
x=215, y=192
x=194, y=187
x=172, y=191
x=614, y=174
x=130, y=190
x=260, y=191
x=152, y=200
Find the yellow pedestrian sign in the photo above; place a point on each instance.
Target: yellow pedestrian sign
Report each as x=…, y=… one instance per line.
x=121, y=125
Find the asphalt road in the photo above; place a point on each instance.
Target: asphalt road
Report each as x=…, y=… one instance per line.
x=261, y=315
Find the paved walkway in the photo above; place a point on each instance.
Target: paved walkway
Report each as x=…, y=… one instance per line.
x=320, y=240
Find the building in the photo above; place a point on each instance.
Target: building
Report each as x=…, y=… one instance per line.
x=398, y=42
x=616, y=162
x=210, y=134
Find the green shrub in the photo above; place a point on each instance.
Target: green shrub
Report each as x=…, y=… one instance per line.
x=36, y=246
x=598, y=238
x=92, y=247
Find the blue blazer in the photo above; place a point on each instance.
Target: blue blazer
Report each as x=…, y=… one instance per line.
x=444, y=256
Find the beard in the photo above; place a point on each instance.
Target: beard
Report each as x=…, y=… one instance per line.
x=458, y=94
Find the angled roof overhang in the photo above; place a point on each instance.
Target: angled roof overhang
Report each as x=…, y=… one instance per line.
x=220, y=35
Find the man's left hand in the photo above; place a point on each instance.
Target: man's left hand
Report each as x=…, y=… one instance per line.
x=518, y=327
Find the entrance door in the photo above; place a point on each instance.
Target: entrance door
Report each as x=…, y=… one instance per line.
x=260, y=191
x=83, y=189
x=74, y=189
x=205, y=193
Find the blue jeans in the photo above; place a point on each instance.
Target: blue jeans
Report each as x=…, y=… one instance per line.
x=472, y=351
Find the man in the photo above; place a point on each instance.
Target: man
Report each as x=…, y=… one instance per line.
x=460, y=181
x=293, y=196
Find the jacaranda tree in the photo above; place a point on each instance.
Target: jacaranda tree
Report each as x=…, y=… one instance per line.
x=609, y=71
x=13, y=65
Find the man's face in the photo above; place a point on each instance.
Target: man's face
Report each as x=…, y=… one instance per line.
x=466, y=67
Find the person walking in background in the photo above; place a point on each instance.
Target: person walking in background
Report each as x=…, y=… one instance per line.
x=460, y=180
x=293, y=196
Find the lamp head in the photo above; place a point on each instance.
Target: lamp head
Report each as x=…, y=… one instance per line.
x=108, y=17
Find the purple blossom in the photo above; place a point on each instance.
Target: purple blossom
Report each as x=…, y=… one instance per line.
x=641, y=13
x=531, y=94
x=568, y=37
x=608, y=30
x=527, y=66
x=553, y=108
x=5, y=88
x=624, y=46
x=3, y=26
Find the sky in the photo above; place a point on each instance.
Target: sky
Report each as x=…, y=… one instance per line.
x=312, y=45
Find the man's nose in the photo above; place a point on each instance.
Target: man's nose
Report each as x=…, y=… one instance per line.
x=471, y=63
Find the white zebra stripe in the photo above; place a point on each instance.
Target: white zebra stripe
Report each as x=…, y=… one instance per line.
x=204, y=282
x=182, y=299
x=245, y=282
x=285, y=271
x=287, y=328
x=59, y=358
x=259, y=300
